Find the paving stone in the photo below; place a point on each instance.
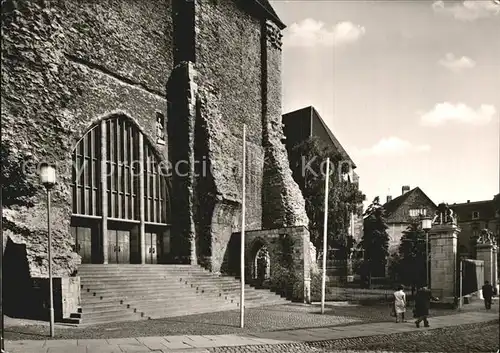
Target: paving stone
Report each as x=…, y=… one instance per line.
x=123, y=341
x=93, y=342
x=153, y=343
x=134, y=348
x=60, y=343
x=104, y=349
x=63, y=349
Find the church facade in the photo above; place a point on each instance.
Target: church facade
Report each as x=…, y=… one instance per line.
x=141, y=105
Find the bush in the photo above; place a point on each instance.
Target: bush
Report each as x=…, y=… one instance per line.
x=316, y=285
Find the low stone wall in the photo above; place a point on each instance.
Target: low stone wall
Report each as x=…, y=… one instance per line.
x=70, y=295
x=34, y=302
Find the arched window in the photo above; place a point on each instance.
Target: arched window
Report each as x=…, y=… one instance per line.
x=121, y=210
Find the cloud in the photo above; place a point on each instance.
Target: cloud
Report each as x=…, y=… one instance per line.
x=393, y=146
x=468, y=10
x=456, y=64
x=460, y=112
x=310, y=33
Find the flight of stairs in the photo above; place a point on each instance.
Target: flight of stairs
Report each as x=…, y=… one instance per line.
x=112, y=293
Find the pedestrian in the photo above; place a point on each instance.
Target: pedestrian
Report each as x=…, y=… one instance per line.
x=400, y=304
x=487, y=294
x=422, y=306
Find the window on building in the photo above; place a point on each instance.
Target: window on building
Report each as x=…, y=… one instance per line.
x=118, y=183
x=417, y=212
x=475, y=215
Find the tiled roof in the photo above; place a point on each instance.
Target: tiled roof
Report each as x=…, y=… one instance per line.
x=464, y=211
x=393, y=205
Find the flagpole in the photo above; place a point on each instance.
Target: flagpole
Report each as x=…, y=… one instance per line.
x=325, y=222
x=242, y=246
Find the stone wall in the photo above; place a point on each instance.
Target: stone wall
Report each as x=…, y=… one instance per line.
x=237, y=84
x=283, y=204
x=65, y=65
x=290, y=259
x=70, y=296
x=68, y=64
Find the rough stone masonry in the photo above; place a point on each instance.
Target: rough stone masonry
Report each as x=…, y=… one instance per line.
x=208, y=66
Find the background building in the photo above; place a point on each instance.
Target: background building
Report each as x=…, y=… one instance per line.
x=403, y=210
x=299, y=126
x=472, y=218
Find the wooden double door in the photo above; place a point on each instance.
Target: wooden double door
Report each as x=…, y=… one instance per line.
x=152, y=248
x=86, y=236
x=118, y=246
x=83, y=243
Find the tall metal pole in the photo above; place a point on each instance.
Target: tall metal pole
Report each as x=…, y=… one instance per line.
x=51, y=295
x=2, y=348
x=427, y=259
x=325, y=231
x=460, y=303
x=242, y=245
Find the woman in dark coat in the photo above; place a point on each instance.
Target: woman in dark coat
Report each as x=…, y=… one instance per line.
x=422, y=305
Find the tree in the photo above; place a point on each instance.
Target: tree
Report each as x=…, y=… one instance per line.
x=411, y=264
x=344, y=196
x=375, y=240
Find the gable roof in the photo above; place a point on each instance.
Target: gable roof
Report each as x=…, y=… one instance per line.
x=464, y=211
x=393, y=205
x=269, y=12
x=312, y=114
x=334, y=140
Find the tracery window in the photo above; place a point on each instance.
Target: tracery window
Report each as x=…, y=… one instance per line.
x=115, y=156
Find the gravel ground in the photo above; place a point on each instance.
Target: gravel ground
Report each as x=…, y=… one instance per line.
x=275, y=318
x=473, y=338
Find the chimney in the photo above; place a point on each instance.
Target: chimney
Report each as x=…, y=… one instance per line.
x=405, y=189
x=389, y=198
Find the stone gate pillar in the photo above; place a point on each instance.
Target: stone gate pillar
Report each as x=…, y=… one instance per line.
x=486, y=251
x=443, y=254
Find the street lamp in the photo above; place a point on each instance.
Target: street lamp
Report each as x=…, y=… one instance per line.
x=48, y=179
x=426, y=223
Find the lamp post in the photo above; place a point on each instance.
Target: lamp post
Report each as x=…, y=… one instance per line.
x=48, y=179
x=426, y=226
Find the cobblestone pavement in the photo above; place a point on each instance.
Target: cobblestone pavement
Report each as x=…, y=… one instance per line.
x=273, y=318
x=473, y=338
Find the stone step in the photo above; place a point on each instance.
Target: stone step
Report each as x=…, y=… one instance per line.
x=102, y=289
x=88, y=319
x=120, y=298
x=159, y=283
x=156, y=314
x=125, y=297
x=155, y=291
x=142, y=269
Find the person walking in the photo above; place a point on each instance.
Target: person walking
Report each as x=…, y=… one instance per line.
x=422, y=306
x=400, y=304
x=487, y=294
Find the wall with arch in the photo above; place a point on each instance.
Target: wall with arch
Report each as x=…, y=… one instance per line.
x=289, y=254
x=77, y=62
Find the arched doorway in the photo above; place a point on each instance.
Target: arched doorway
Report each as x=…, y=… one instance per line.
x=261, y=264
x=121, y=205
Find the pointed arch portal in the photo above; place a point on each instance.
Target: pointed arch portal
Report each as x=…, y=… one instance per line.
x=121, y=204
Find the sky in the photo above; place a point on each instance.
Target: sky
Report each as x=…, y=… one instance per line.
x=410, y=88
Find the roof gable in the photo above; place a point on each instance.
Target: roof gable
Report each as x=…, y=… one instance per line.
x=338, y=146
x=396, y=210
